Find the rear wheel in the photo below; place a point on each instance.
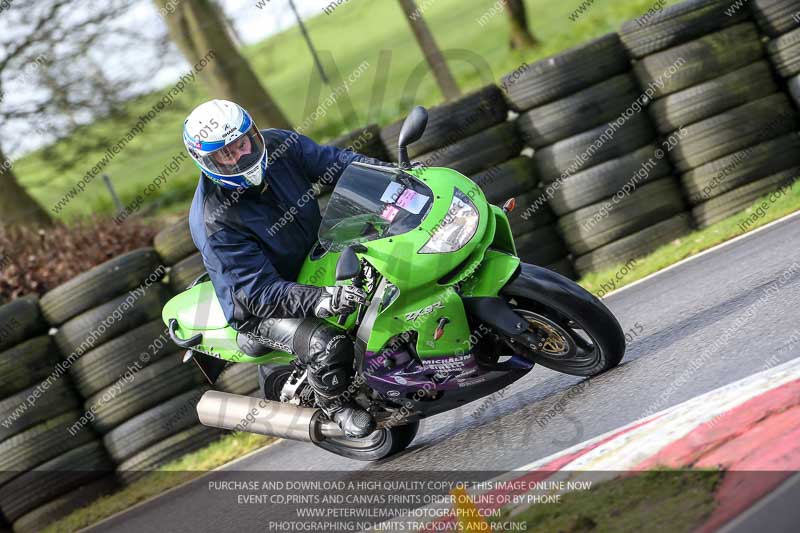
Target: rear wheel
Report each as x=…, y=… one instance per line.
x=569, y=329
x=272, y=378
x=381, y=444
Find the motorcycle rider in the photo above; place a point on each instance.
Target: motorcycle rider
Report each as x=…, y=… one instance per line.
x=254, y=220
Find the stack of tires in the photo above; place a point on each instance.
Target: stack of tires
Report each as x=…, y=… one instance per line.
x=177, y=251
x=472, y=136
x=780, y=21
x=158, y=435
x=469, y=134
x=728, y=129
x=596, y=153
x=365, y=141
x=170, y=428
x=49, y=459
x=119, y=352
x=239, y=378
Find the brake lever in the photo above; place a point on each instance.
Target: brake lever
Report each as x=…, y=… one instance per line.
x=360, y=310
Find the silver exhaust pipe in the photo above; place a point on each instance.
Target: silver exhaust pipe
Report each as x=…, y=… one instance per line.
x=253, y=415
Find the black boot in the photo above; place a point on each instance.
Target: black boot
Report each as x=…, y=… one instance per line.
x=327, y=354
x=355, y=422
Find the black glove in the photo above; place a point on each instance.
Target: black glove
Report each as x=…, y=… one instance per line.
x=339, y=300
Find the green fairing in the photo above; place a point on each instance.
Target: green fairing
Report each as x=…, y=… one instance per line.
x=425, y=281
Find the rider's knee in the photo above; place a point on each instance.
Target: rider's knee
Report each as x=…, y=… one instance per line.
x=324, y=344
x=329, y=356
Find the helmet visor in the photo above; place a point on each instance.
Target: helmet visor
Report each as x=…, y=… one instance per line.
x=236, y=157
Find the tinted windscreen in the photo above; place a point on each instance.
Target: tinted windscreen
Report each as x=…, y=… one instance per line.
x=371, y=203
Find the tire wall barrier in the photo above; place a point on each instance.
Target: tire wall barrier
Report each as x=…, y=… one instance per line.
x=611, y=149
x=94, y=393
x=45, y=454
x=597, y=153
x=732, y=124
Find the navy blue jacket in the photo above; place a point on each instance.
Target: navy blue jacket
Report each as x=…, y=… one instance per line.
x=254, y=241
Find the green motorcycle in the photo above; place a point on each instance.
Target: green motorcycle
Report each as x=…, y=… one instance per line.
x=453, y=315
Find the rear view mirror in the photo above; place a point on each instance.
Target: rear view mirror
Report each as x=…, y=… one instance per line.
x=348, y=266
x=411, y=132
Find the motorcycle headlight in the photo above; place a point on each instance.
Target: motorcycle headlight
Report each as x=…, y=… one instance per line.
x=456, y=229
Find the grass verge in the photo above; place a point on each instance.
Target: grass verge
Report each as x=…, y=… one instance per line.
x=661, y=500
x=191, y=466
x=760, y=213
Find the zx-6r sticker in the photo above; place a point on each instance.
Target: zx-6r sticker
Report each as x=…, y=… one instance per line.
x=424, y=311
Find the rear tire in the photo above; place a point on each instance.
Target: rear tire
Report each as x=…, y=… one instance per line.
x=271, y=379
x=381, y=444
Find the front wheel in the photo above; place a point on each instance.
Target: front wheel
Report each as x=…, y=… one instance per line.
x=569, y=329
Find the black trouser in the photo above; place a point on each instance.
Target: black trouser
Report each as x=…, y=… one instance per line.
x=323, y=349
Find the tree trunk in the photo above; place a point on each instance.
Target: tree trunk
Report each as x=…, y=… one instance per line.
x=17, y=207
x=444, y=78
x=521, y=36
x=196, y=28
x=228, y=22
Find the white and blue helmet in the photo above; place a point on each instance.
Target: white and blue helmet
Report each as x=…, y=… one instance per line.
x=225, y=143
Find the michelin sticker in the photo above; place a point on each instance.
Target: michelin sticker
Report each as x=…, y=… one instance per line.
x=447, y=364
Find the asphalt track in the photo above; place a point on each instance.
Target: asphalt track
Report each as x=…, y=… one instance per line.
x=693, y=328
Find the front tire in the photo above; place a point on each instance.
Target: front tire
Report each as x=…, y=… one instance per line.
x=570, y=330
